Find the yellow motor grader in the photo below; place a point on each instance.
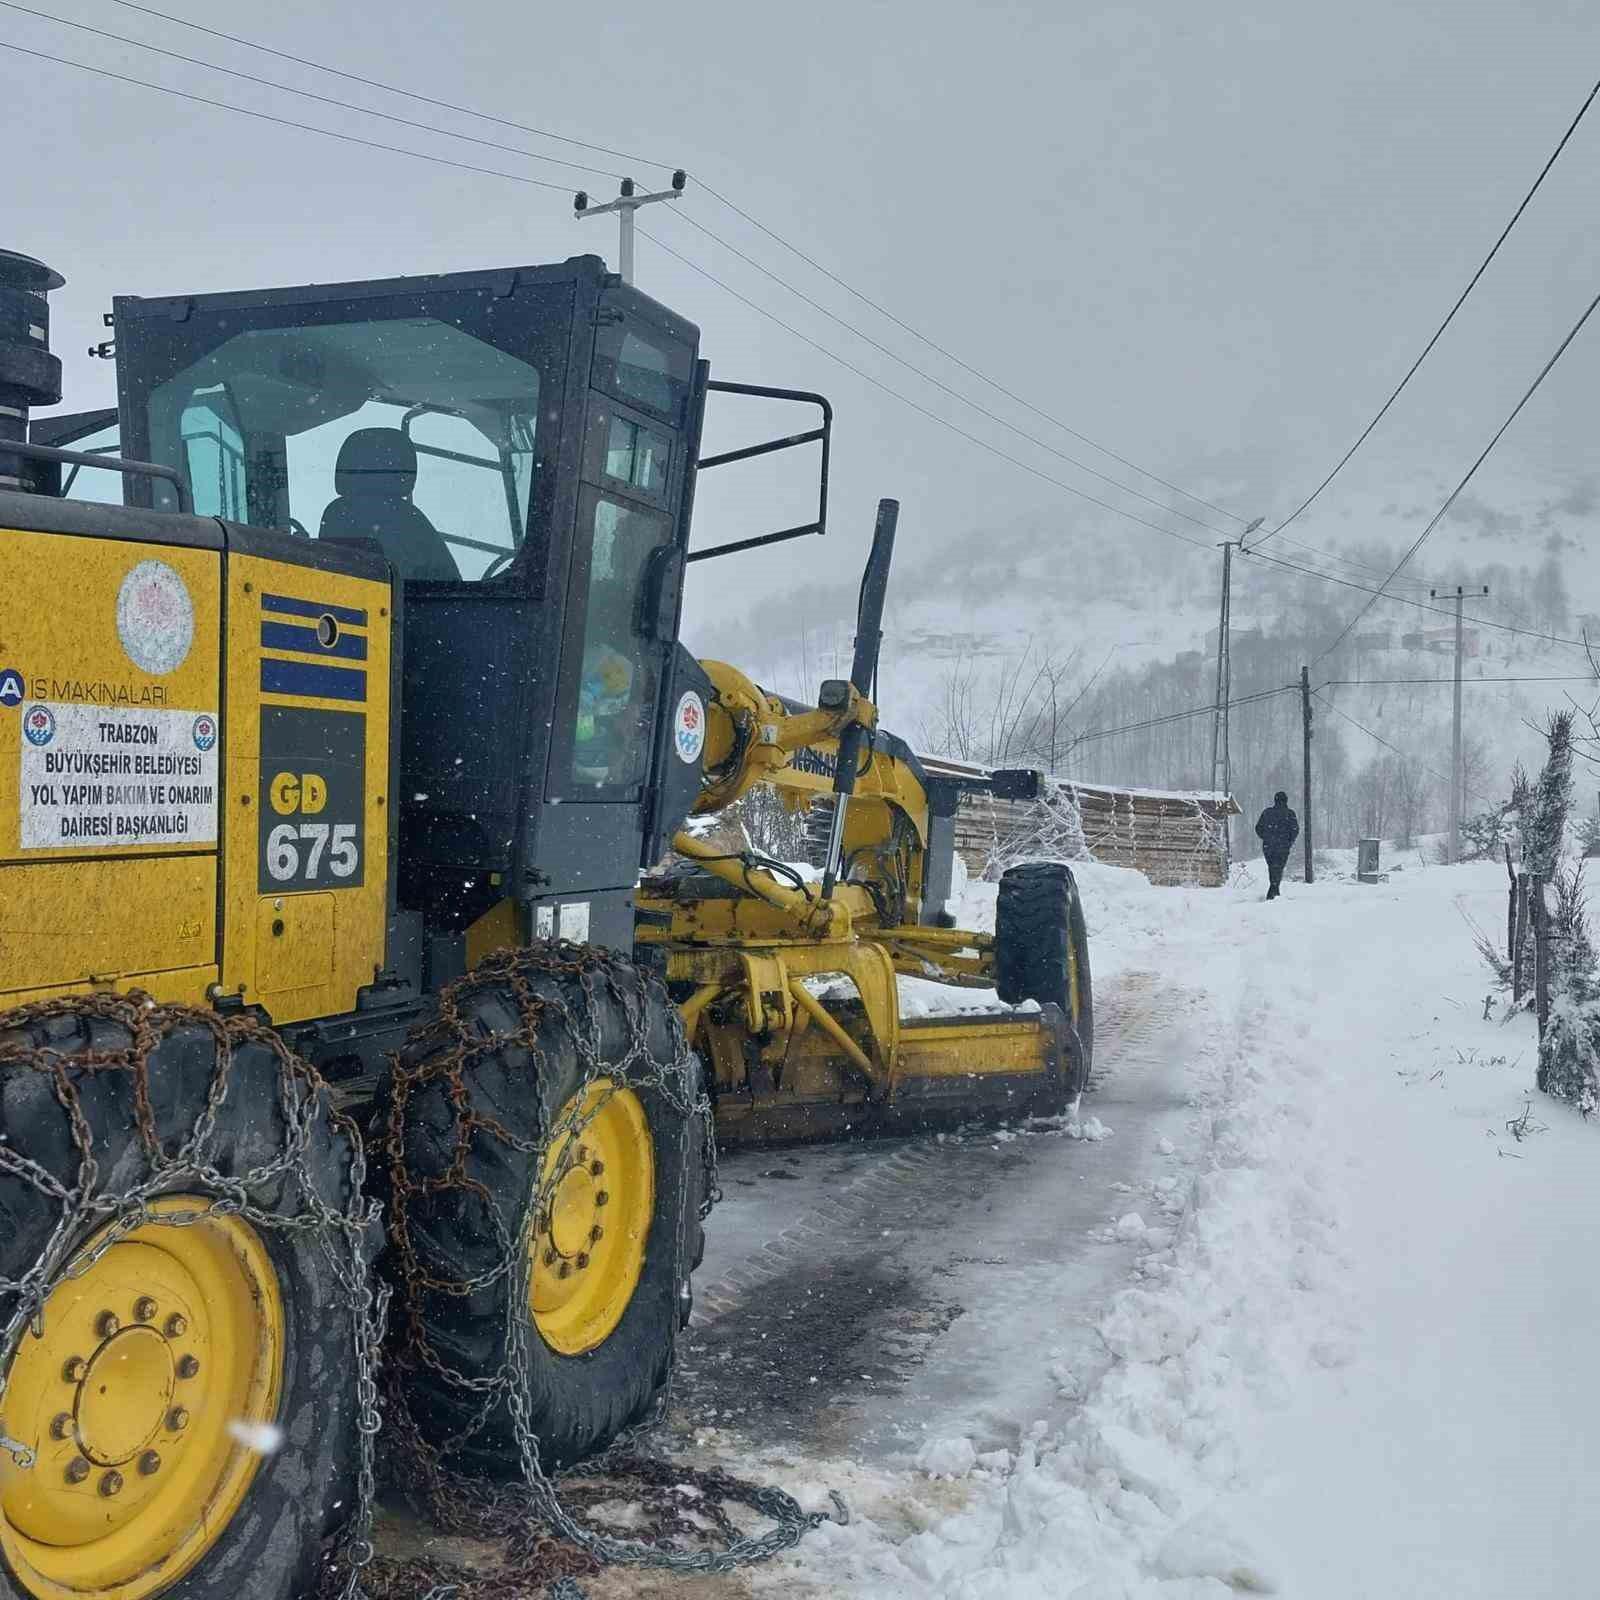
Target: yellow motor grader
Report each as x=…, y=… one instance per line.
x=349, y=763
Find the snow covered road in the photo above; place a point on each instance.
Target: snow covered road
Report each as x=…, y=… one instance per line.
x=1310, y=1321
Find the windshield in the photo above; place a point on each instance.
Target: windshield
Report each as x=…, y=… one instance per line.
x=406, y=434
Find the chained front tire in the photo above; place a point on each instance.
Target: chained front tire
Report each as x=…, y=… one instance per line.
x=1041, y=949
x=543, y=1169
x=176, y=1192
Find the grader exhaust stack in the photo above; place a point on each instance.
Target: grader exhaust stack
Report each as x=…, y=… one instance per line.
x=29, y=374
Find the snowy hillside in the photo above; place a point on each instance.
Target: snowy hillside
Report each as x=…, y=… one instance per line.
x=1025, y=637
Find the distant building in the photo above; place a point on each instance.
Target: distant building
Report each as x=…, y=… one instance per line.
x=1381, y=639
x=1442, y=641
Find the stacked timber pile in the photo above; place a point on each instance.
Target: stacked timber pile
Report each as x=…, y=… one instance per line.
x=1172, y=836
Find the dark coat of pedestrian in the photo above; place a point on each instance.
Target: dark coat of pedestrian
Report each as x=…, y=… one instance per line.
x=1277, y=828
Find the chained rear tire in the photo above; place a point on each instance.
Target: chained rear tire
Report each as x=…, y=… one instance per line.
x=264, y=1527
x=471, y=1119
x=1041, y=946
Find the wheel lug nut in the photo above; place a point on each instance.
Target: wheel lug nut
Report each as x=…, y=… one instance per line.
x=601, y=1197
x=144, y=1309
x=111, y=1484
x=150, y=1463
x=550, y=1258
x=177, y=1326
x=564, y=1270
x=597, y=1167
x=106, y=1324
x=177, y=1419
x=75, y=1370
x=61, y=1425
x=188, y=1367
x=77, y=1470
x=583, y=1259
x=596, y=1234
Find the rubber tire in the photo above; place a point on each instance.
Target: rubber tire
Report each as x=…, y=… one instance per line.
x=578, y=1404
x=1038, y=918
x=305, y=1492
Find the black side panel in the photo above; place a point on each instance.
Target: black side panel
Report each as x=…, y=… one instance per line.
x=677, y=781
x=468, y=686
x=593, y=846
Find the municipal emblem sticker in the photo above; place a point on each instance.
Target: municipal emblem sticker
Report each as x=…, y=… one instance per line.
x=205, y=731
x=11, y=690
x=155, y=618
x=689, y=727
x=39, y=725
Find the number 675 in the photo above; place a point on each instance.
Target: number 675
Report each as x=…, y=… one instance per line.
x=337, y=841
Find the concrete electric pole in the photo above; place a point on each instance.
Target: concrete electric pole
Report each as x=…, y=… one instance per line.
x=625, y=205
x=1221, y=765
x=1305, y=727
x=1456, y=785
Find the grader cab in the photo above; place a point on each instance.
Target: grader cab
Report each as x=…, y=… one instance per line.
x=352, y=743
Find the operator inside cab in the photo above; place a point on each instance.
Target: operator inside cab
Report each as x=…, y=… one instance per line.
x=375, y=478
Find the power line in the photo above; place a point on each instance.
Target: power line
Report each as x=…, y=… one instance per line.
x=1404, y=755
x=282, y=122
x=1179, y=716
x=1342, y=683
x=1419, y=605
x=1438, y=333
x=1450, y=499
x=304, y=94
x=388, y=88
x=938, y=383
x=373, y=144
x=722, y=199
x=904, y=399
x=939, y=349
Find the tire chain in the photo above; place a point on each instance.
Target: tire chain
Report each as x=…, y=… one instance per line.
x=83, y=1207
x=556, y=1536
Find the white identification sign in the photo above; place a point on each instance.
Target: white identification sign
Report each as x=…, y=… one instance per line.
x=112, y=776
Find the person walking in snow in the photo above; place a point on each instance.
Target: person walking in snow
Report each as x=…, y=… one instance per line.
x=1277, y=828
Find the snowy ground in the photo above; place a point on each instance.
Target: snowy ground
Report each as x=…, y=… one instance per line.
x=1309, y=1320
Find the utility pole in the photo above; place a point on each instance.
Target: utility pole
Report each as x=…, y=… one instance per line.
x=1456, y=775
x=1305, y=723
x=1219, y=715
x=1221, y=764
x=626, y=203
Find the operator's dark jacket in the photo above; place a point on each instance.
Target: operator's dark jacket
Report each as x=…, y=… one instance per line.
x=1277, y=827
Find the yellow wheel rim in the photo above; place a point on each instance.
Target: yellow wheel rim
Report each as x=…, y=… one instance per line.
x=152, y=1365
x=591, y=1220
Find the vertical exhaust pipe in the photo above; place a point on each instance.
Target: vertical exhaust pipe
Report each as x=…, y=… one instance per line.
x=29, y=375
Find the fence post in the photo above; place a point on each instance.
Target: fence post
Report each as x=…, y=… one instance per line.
x=1519, y=928
x=1541, y=952
x=1511, y=907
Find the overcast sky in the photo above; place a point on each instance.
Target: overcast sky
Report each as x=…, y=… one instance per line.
x=1210, y=237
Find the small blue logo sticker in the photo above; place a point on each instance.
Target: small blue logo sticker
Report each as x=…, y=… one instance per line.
x=39, y=724
x=11, y=690
x=205, y=731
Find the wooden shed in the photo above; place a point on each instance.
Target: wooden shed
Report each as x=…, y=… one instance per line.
x=1172, y=836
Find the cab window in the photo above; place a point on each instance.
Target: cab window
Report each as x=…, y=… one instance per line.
x=644, y=366
x=407, y=435
x=613, y=669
